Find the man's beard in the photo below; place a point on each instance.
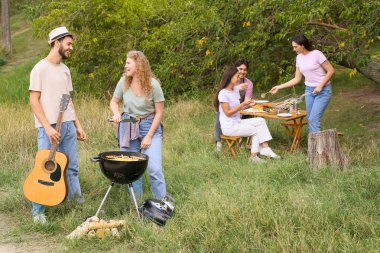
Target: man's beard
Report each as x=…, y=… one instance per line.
x=62, y=53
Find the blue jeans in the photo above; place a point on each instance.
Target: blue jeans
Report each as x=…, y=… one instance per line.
x=315, y=107
x=156, y=175
x=67, y=145
x=218, y=130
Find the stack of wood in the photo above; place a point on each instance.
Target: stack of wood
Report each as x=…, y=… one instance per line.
x=95, y=227
x=324, y=149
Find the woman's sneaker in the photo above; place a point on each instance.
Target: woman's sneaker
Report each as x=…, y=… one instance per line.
x=256, y=159
x=269, y=153
x=218, y=147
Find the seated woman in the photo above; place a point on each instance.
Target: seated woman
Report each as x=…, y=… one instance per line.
x=245, y=90
x=227, y=101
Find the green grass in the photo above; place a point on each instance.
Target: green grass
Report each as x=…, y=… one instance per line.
x=24, y=45
x=15, y=82
x=223, y=205
x=26, y=52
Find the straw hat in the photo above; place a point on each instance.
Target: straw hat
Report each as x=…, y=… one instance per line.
x=58, y=33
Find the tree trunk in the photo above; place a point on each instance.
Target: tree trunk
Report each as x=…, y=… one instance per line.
x=324, y=149
x=6, y=26
x=372, y=70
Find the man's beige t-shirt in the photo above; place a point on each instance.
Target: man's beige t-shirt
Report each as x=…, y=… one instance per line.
x=52, y=80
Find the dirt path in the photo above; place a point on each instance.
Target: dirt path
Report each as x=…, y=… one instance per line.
x=27, y=243
x=4, y=226
x=366, y=96
x=21, y=32
x=369, y=97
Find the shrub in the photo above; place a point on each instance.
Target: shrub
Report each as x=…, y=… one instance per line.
x=189, y=43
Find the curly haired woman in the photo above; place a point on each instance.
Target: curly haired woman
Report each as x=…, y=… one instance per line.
x=143, y=103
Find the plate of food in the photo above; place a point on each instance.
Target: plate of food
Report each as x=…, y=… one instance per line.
x=284, y=115
x=257, y=110
x=253, y=110
x=248, y=110
x=261, y=101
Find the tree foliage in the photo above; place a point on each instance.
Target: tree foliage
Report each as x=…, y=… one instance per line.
x=189, y=42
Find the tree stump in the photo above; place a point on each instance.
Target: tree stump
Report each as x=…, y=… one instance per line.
x=324, y=149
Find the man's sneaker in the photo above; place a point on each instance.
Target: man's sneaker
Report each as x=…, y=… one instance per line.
x=80, y=200
x=77, y=199
x=218, y=146
x=269, y=153
x=256, y=159
x=40, y=219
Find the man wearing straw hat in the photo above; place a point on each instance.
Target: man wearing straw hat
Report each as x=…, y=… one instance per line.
x=49, y=79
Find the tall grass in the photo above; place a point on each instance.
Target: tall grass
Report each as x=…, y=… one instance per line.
x=223, y=204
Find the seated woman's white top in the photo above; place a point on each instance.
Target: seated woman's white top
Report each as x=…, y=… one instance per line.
x=233, y=100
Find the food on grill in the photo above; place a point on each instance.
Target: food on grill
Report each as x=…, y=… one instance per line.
x=123, y=158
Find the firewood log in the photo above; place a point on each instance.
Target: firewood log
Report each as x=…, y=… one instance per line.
x=106, y=224
x=86, y=226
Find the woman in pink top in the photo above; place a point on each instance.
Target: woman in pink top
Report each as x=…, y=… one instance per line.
x=318, y=71
x=227, y=102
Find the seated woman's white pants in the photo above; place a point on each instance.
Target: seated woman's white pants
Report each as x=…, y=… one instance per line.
x=255, y=127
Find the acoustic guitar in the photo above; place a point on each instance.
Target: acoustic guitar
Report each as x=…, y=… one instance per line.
x=46, y=183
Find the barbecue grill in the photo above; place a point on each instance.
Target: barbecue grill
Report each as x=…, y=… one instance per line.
x=121, y=172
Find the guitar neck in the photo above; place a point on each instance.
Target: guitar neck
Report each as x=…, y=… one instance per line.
x=54, y=146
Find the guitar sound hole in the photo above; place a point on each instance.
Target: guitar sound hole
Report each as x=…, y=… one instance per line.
x=56, y=175
x=50, y=165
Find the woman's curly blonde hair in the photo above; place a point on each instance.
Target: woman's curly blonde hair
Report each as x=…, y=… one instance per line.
x=143, y=72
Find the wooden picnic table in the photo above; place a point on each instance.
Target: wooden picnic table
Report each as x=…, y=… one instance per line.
x=293, y=124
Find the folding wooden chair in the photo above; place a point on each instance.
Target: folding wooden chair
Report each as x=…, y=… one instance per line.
x=232, y=142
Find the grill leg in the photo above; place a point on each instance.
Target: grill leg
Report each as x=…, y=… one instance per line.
x=134, y=199
x=104, y=199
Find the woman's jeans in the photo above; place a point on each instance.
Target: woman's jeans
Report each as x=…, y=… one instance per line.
x=315, y=106
x=154, y=152
x=68, y=146
x=218, y=130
